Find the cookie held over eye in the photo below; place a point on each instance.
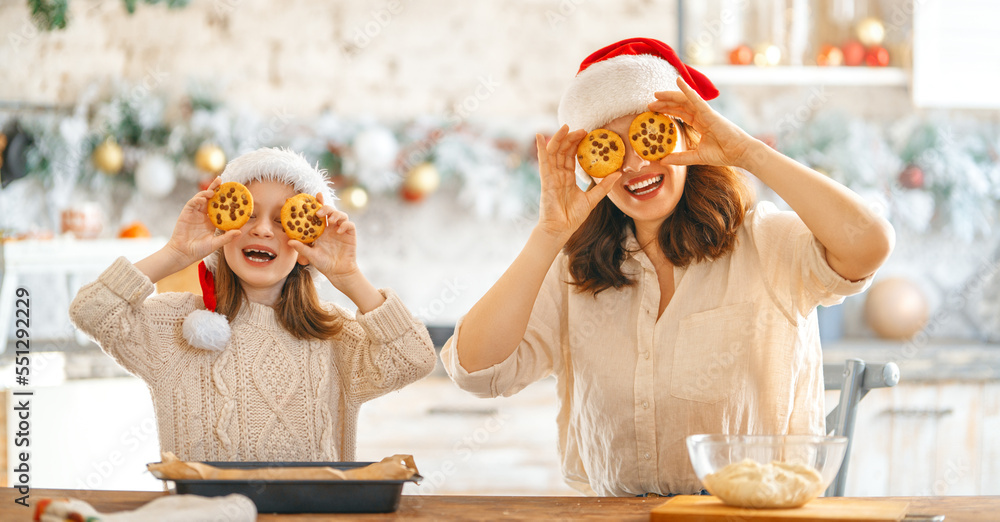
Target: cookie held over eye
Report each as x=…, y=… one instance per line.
x=231, y=206
x=652, y=135
x=601, y=152
x=299, y=219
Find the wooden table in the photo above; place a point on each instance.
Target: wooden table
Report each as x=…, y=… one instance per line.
x=415, y=507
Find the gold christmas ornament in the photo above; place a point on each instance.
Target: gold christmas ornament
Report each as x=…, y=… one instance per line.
x=421, y=181
x=108, y=157
x=896, y=308
x=210, y=158
x=871, y=31
x=767, y=54
x=353, y=198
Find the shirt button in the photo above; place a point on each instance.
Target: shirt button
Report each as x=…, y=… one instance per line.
x=645, y=404
x=647, y=456
x=645, y=355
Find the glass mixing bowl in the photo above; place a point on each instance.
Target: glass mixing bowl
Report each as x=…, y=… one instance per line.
x=766, y=471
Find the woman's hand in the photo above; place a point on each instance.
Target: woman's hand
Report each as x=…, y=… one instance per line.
x=722, y=142
x=334, y=252
x=194, y=235
x=857, y=240
x=564, y=207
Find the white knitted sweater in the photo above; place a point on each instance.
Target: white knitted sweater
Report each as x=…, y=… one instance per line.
x=267, y=396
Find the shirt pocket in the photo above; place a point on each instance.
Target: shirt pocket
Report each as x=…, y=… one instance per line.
x=710, y=355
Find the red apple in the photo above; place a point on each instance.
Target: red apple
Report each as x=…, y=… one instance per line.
x=877, y=56
x=854, y=53
x=741, y=55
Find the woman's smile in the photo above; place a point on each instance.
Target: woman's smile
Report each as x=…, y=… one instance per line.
x=644, y=187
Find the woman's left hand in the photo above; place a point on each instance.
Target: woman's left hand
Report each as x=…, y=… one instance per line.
x=334, y=252
x=722, y=142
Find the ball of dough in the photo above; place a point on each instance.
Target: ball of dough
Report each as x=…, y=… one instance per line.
x=774, y=485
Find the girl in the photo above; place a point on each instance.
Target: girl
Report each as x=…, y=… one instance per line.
x=287, y=382
x=669, y=307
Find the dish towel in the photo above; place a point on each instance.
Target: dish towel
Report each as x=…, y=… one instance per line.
x=171, y=508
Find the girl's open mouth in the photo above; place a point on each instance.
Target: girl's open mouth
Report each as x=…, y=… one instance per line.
x=258, y=255
x=645, y=186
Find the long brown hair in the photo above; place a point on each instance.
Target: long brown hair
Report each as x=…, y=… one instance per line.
x=702, y=226
x=298, y=308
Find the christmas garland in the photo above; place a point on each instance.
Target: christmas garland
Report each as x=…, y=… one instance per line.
x=923, y=174
x=50, y=15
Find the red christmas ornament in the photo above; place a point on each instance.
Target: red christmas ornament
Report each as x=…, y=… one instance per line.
x=412, y=196
x=741, y=55
x=912, y=177
x=877, y=56
x=830, y=55
x=854, y=53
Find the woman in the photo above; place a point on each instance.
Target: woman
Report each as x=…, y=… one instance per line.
x=672, y=308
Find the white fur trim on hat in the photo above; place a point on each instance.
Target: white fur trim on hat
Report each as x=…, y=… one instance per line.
x=282, y=165
x=276, y=164
x=612, y=88
x=206, y=330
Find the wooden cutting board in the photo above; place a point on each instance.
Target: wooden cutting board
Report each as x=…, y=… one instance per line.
x=701, y=508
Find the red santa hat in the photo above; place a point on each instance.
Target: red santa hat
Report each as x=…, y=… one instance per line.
x=620, y=79
x=207, y=329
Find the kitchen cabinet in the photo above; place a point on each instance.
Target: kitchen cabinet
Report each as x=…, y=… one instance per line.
x=69, y=261
x=926, y=438
x=466, y=445
x=85, y=434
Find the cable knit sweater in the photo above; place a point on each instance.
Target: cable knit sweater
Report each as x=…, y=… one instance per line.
x=268, y=396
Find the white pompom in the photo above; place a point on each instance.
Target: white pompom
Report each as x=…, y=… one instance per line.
x=206, y=330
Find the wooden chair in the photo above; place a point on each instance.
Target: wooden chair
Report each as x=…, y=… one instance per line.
x=854, y=382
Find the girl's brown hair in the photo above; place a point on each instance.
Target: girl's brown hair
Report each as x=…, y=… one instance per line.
x=702, y=226
x=298, y=309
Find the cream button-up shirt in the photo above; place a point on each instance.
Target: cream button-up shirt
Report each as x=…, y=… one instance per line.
x=735, y=351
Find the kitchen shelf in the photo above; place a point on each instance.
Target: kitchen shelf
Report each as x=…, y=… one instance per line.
x=807, y=75
x=932, y=360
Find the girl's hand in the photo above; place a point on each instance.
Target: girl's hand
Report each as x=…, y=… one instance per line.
x=564, y=207
x=194, y=235
x=334, y=253
x=722, y=142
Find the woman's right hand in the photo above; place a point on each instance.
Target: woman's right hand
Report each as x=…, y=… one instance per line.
x=564, y=206
x=194, y=234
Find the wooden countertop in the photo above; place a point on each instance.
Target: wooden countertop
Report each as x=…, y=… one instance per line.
x=417, y=507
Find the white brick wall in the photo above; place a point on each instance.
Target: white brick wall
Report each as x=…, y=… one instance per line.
x=353, y=57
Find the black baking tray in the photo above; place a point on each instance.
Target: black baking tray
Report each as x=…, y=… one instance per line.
x=304, y=496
